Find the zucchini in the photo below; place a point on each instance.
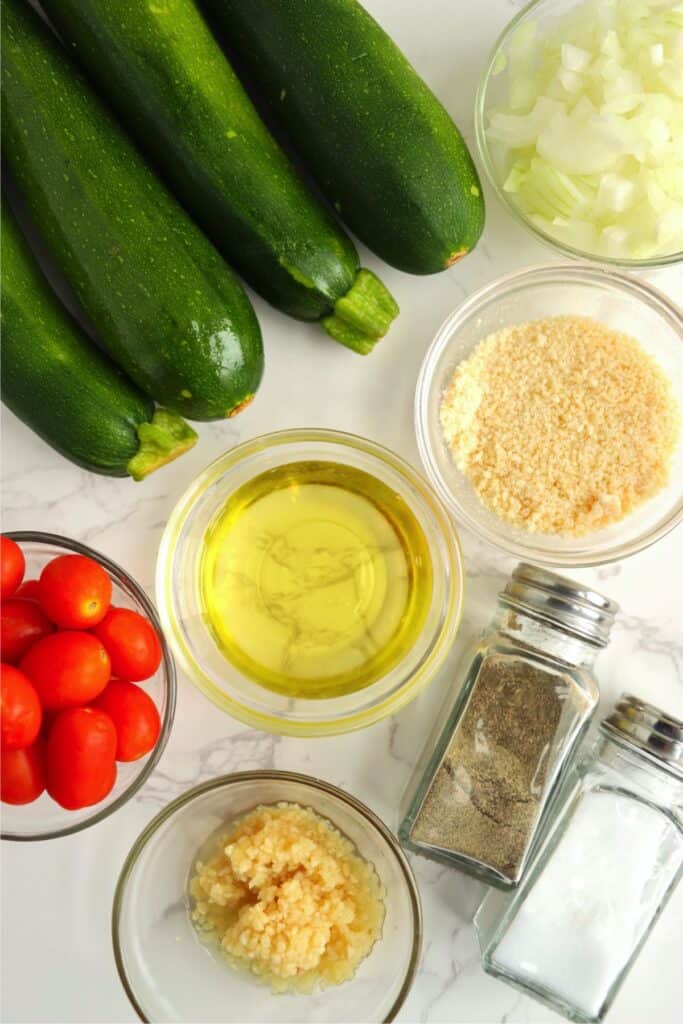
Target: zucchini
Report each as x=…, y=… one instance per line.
x=163, y=303
x=383, y=149
x=58, y=383
x=168, y=80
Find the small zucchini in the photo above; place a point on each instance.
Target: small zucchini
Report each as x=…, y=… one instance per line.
x=166, y=77
x=163, y=303
x=382, y=147
x=61, y=386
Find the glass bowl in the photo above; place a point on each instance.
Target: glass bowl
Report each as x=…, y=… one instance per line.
x=170, y=975
x=622, y=302
x=45, y=819
x=185, y=621
x=492, y=93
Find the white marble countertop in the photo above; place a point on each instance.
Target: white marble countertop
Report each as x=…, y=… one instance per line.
x=57, y=962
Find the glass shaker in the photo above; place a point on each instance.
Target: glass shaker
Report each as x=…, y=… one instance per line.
x=613, y=857
x=482, y=787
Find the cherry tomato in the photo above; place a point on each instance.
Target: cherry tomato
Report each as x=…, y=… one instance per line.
x=81, y=748
x=22, y=624
x=23, y=773
x=12, y=566
x=67, y=669
x=135, y=718
x=75, y=592
x=20, y=710
x=29, y=591
x=131, y=642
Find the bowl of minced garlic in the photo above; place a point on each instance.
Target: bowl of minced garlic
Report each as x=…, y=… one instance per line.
x=267, y=896
x=549, y=414
x=286, y=896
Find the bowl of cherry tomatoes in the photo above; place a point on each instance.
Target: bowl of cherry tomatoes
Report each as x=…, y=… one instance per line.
x=87, y=690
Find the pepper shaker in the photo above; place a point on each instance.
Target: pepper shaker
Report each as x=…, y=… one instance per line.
x=480, y=793
x=614, y=855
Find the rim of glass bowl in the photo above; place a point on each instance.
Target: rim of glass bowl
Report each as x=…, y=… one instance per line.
x=127, y=583
x=269, y=774
x=652, y=263
x=518, y=281
x=348, y=721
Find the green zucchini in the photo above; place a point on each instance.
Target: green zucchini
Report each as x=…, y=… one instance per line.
x=383, y=149
x=58, y=383
x=163, y=303
x=168, y=80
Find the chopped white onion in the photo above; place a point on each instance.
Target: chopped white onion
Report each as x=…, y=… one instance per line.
x=592, y=135
x=574, y=58
x=615, y=194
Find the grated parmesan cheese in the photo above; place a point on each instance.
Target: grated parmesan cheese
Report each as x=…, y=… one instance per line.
x=561, y=425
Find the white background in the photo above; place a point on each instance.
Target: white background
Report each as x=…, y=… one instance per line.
x=57, y=963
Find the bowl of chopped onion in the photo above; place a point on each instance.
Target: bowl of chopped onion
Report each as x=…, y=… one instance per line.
x=579, y=122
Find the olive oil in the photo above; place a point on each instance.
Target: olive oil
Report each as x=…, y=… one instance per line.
x=316, y=579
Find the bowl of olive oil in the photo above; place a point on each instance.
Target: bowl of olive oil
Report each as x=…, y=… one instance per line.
x=310, y=582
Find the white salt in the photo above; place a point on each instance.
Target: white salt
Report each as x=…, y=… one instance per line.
x=579, y=924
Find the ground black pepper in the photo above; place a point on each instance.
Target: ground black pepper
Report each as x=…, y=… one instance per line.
x=485, y=796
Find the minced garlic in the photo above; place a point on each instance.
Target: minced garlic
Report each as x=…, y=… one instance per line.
x=561, y=425
x=288, y=897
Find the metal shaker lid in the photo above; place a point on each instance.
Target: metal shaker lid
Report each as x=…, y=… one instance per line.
x=651, y=730
x=561, y=602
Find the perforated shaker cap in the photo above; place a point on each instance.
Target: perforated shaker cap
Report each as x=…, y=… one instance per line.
x=561, y=602
x=651, y=730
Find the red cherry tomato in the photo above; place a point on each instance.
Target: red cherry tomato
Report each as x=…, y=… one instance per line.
x=135, y=718
x=22, y=624
x=29, y=591
x=81, y=747
x=12, y=566
x=23, y=773
x=75, y=592
x=67, y=669
x=20, y=711
x=131, y=642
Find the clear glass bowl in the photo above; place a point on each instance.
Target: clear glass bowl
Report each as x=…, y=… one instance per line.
x=492, y=92
x=45, y=819
x=183, y=616
x=622, y=302
x=170, y=975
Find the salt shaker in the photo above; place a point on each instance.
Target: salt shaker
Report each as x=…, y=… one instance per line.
x=612, y=858
x=482, y=787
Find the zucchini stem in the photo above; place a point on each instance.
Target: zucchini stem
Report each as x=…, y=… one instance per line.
x=363, y=315
x=163, y=439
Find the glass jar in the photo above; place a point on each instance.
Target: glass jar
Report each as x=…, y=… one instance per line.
x=481, y=789
x=614, y=855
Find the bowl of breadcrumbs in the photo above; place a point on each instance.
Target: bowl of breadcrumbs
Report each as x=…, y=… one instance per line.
x=549, y=414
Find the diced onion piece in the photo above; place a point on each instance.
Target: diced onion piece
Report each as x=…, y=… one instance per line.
x=614, y=242
x=611, y=46
x=615, y=194
x=551, y=193
x=523, y=42
x=571, y=81
x=574, y=58
x=523, y=93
